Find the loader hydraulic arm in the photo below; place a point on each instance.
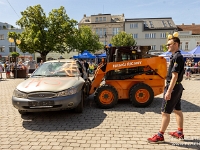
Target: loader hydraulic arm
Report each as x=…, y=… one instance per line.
x=157, y=64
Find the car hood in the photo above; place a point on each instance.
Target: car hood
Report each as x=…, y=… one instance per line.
x=50, y=84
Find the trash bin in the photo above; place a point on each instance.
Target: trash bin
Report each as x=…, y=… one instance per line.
x=21, y=73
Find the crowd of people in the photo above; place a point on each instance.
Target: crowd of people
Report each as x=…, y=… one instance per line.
x=191, y=67
x=9, y=66
x=89, y=66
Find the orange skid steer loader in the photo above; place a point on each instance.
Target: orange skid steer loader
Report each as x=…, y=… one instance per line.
x=128, y=73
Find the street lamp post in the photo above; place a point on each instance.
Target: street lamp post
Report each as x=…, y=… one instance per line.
x=16, y=41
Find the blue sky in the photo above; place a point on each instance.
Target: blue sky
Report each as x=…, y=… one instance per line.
x=181, y=11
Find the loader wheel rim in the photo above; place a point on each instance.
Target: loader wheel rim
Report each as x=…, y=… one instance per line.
x=142, y=95
x=106, y=97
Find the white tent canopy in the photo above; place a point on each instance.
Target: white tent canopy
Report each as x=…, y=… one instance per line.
x=168, y=54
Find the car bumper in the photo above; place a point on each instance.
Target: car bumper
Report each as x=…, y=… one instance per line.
x=47, y=104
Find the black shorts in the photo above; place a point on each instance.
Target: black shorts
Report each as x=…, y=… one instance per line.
x=175, y=102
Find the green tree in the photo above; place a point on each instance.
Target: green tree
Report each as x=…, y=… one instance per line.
x=44, y=34
x=86, y=39
x=123, y=39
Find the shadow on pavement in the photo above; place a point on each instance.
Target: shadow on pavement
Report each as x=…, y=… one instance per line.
x=90, y=118
x=125, y=105
x=63, y=120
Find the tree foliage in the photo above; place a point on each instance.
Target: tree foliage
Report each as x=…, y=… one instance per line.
x=44, y=34
x=123, y=39
x=86, y=39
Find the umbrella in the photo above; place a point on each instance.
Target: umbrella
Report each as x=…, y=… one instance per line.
x=195, y=52
x=185, y=54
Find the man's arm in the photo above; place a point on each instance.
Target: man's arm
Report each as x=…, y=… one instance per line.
x=171, y=85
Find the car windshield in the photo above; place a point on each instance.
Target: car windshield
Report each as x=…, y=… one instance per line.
x=59, y=69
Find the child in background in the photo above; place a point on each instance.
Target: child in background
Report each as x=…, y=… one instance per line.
x=188, y=71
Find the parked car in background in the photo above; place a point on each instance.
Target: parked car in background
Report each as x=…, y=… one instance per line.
x=55, y=85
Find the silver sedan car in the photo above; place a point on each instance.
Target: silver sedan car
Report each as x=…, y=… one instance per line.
x=55, y=85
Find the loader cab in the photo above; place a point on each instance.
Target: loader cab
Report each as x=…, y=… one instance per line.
x=117, y=54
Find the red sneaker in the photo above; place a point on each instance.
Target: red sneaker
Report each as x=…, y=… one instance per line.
x=177, y=135
x=156, y=139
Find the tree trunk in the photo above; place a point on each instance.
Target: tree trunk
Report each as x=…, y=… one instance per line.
x=43, y=57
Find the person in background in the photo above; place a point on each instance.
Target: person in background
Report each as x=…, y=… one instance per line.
x=86, y=65
x=1, y=71
x=188, y=71
x=21, y=66
x=91, y=68
x=31, y=65
x=198, y=64
x=7, y=69
x=41, y=62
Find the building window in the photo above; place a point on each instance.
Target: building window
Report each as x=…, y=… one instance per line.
x=115, y=31
x=96, y=19
x=100, y=33
x=153, y=47
x=100, y=18
x=1, y=36
x=150, y=35
x=2, y=48
x=164, y=23
x=163, y=35
x=133, y=25
x=181, y=45
x=11, y=48
x=104, y=31
x=161, y=47
x=97, y=31
x=145, y=24
x=169, y=23
x=186, y=46
x=104, y=18
x=135, y=36
x=198, y=43
x=151, y=24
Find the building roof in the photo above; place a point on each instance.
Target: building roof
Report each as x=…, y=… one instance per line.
x=155, y=23
x=194, y=28
x=114, y=18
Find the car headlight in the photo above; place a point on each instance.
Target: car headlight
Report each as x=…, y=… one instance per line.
x=19, y=94
x=69, y=91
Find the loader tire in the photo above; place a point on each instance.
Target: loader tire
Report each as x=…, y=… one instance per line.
x=106, y=97
x=141, y=95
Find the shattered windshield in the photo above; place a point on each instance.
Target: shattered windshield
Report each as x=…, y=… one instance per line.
x=60, y=69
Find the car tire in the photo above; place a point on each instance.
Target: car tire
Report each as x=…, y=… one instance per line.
x=79, y=108
x=141, y=95
x=106, y=96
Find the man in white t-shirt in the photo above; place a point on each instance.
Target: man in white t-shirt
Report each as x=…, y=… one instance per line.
x=31, y=65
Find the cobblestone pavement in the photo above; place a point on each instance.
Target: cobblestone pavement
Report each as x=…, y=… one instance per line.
x=121, y=128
